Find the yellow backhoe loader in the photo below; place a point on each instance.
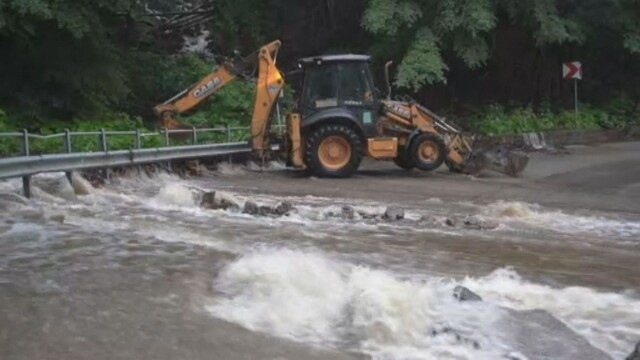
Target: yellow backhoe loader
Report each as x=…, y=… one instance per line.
x=340, y=118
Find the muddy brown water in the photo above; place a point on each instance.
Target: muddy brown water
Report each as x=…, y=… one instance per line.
x=138, y=270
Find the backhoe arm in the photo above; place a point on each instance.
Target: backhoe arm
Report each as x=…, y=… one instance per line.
x=194, y=95
x=270, y=83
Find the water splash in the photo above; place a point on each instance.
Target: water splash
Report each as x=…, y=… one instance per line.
x=306, y=296
x=521, y=213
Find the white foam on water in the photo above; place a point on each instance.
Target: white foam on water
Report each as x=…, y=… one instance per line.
x=268, y=166
x=536, y=215
x=609, y=321
x=175, y=194
x=309, y=297
x=230, y=169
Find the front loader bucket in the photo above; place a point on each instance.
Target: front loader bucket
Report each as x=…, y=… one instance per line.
x=502, y=160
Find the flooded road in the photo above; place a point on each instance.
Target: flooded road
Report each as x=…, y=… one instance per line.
x=138, y=269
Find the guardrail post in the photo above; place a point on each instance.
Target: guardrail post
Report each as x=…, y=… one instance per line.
x=194, y=135
x=138, y=145
x=26, y=180
x=105, y=148
x=67, y=149
x=166, y=136
x=138, y=141
x=166, y=144
x=229, y=139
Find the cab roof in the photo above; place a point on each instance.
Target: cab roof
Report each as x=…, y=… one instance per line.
x=318, y=60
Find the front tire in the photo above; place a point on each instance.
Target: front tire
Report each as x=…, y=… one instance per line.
x=428, y=151
x=333, y=151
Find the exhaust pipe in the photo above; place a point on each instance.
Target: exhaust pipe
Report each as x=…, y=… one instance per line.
x=387, y=79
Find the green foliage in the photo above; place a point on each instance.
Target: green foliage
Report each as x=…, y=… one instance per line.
x=232, y=105
x=423, y=63
x=448, y=30
x=388, y=16
x=496, y=120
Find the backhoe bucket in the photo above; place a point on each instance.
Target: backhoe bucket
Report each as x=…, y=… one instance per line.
x=500, y=159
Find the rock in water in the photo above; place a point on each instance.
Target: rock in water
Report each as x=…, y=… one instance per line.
x=393, y=213
x=347, y=213
x=367, y=216
x=264, y=210
x=453, y=222
x=463, y=294
x=210, y=201
x=250, y=208
x=537, y=334
x=476, y=223
x=635, y=355
x=284, y=208
x=59, y=218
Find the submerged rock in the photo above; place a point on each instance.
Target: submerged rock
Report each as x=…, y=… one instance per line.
x=475, y=223
x=537, y=334
x=472, y=223
x=635, y=355
x=59, y=218
x=393, y=213
x=284, y=208
x=347, y=213
x=210, y=201
x=464, y=294
x=264, y=210
x=367, y=216
x=447, y=331
x=250, y=208
x=453, y=222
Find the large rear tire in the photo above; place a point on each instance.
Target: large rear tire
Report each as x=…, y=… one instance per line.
x=333, y=151
x=428, y=151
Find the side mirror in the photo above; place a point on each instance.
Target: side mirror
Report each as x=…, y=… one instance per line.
x=387, y=79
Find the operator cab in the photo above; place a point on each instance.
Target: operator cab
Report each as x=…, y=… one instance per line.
x=338, y=82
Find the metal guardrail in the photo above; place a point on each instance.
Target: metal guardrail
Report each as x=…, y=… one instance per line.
x=103, y=136
x=27, y=165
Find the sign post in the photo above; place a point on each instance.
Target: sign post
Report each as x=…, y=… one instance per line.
x=573, y=71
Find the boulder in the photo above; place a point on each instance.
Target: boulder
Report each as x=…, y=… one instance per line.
x=59, y=218
x=430, y=219
x=464, y=294
x=552, y=338
x=472, y=223
x=250, y=208
x=347, y=213
x=265, y=210
x=476, y=223
x=210, y=201
x=635, y=355
x=393, y=213
x=367, y=216
x=284, y=208
x=460, y=339
x=453, y=222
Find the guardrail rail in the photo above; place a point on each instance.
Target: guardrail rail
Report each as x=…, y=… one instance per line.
x=26, y=164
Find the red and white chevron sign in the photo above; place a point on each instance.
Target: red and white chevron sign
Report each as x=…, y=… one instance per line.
x=572, y=70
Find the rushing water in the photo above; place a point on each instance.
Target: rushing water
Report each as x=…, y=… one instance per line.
x=373, y=287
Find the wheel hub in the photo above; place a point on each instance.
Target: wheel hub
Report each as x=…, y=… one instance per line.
x=334, y=152
x=428, y=151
